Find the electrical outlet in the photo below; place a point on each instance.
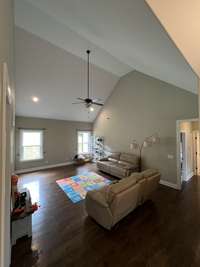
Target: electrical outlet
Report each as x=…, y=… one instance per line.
x=170, y=156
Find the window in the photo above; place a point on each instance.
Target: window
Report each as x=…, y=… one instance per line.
x=31, y=145
x=84, y=142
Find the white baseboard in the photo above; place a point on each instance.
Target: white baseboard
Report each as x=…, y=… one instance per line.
x=43, y=167
x=169, y=184
x=189, y=176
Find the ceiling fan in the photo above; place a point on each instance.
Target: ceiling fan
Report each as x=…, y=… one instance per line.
x=89, y=102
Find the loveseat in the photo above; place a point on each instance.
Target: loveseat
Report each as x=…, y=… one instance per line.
x=110, y=204
x=119, y=164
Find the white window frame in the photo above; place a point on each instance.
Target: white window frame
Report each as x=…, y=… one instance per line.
x=21, y=158
x=90, y=144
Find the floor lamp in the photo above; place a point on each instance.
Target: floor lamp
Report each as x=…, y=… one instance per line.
x=148, y=142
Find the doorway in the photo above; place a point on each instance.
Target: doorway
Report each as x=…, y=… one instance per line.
x=188, y=163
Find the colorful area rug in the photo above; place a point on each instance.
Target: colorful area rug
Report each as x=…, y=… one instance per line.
x=76, y=187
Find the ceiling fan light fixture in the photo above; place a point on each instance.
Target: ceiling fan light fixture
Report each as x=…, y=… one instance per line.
x=91, y=109
x=88, y=101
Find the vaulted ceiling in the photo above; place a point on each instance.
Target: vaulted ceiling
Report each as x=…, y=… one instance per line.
x=51, y=39
x=182, y=21
x=57, y=78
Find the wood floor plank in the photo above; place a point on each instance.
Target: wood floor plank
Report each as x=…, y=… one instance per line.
x=164, y=232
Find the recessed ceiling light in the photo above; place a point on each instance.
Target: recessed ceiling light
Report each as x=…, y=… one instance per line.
x=91, y=109
x=35, y=99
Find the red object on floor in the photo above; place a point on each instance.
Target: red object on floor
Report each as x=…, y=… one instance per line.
x=14, y=179
x=34, y=207
x=17, y=211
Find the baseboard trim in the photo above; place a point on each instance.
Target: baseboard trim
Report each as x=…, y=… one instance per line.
x=189, y=176
x=43, y=167
x=169, y=184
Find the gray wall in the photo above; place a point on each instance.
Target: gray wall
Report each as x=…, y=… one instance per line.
x=140, y=106
x=6, y=55
x=60, y=140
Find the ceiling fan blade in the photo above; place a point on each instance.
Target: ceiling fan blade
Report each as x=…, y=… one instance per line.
x=97, y=100
x=79, y=98
x=76, y=103
x=96, y=103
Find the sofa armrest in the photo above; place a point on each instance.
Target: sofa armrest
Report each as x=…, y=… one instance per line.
x=128, y=166
x=131, y=168
x=97, y=197
x=97, y=208
x=104, y=159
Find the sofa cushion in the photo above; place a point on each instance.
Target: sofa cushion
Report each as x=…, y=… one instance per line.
x=98, y=196
x=114, y=155
x=126, y=165
x=130, y=158
x=112, y=160
x=104, y=191
x=104, y=165
x=119, y=187
x=137, y=175
x=107, y=163
x=149, y=172
x=118, y=170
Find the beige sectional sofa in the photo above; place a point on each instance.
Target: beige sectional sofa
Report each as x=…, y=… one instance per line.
x=120, y=165
x=111, y=203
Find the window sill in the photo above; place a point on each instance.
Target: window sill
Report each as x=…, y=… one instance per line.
x=32, y=160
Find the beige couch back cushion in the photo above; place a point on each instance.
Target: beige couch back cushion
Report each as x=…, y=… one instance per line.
x=131, y=158
x=120, y=186
x=137, y=175
x=149, y=173
x=124, y=202
x=151, y=185
x=114, y=156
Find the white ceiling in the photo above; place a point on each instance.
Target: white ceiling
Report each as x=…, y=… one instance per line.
x=57, y=78
x=49, y=28
x=123, y=36
x=184, y=29
x=126, y=29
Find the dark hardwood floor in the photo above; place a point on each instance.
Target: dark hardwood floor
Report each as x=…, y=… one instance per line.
x=164, y=232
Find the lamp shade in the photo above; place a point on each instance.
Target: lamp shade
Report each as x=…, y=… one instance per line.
x=146, y=144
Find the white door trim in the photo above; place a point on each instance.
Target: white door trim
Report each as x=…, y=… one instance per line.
x=178, y=169
x=196, y=152
x=3, y=91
